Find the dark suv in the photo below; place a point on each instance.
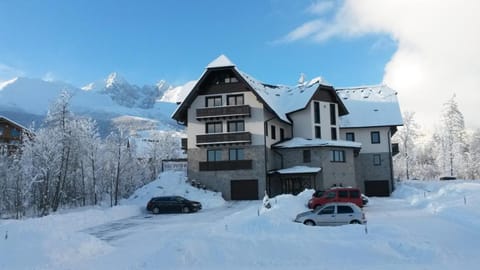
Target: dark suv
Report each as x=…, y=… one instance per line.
x=172, y=204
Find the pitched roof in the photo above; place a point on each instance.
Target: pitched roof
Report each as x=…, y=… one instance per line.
x=370, y=106
x=15, y=123
x=221, y=61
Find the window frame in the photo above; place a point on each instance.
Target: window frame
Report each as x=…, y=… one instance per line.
x=217, y=155
x=236, y=100
x=318, y=132
x=215, y=125
x=333, y=114
x=307, y=156
x=238, y=153
x=337, y=156
x=333, y=132
x=316, y=112
x=350, y=134
x=273, y=132
x=377, y=160
x=215, y=99
x=236, y=125
x=374, y=140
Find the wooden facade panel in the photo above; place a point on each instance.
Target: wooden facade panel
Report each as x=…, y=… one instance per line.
x=224, y=138
x=223, y=111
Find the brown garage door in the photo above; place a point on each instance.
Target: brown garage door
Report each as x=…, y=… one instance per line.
x=377, y=188
x=244, y=189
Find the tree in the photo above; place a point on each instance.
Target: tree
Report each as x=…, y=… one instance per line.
x=452, y=137
x=407, y=136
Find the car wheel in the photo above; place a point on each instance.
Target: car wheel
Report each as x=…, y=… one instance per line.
x=354, y=222
x=309, y=223
x=185, y=209
x=156, y=210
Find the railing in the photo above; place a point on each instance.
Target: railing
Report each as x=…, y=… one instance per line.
x=224, y=138
x=223, y=111
x=225, y=165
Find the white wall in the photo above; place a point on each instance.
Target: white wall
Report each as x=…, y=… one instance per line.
x=303, y=121
x=362, y=135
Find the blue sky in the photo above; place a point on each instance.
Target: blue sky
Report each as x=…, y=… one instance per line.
x=426, y=50
x=145, y=41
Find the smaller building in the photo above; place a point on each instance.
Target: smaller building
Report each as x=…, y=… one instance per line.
x=11, y=135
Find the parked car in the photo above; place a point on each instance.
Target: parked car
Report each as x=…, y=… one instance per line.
x=333, y=214
x=337, y=194
x=172, y=204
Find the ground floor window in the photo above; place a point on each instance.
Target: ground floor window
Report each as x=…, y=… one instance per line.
x=214, y=155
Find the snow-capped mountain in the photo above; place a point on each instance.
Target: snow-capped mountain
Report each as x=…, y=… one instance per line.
x=27, y=100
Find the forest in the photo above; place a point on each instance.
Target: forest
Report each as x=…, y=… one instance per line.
x=67, y=164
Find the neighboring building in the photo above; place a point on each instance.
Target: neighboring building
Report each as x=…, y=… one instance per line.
x=245, y=137
x=11, y=135
x=177, y=164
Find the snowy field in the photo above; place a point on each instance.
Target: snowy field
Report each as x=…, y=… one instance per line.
x=424, y=225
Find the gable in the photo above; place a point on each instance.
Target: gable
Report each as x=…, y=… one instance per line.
x=222, y=80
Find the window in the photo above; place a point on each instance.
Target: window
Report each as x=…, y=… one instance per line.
x=215, y=101
x=236, y=126
x=350, y=136
x=306, y=156
x=337, y=156
x=236, y=154
x=334, y=133
x=235, y=100
x=327, y=210
x=230, y=79
x=375, y=136
x=331, y=195
x=214, y=155
x=316, y=112
x=282, y=134
x=214, y=127
x=318, y=132
x=354, y=194
x=333, y=114
x=1, y=130
x=273, y=132
x=343, y=193
x=15, y=133
x=343, y=209
x=377, y=160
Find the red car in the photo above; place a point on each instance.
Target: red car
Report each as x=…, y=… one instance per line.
x=337, y=194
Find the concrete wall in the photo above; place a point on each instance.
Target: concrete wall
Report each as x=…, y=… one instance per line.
x=220, y=180
x=367, y=171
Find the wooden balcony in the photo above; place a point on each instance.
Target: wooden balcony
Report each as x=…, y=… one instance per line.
x=224, y=138
x=226, y=165
x=223, y=112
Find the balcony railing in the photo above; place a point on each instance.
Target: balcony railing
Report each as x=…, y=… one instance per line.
x=395, y=149
x=225, y=165
x=224, y=138
x=223, y=111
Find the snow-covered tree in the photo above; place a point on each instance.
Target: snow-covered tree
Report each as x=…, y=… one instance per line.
x=407, y=136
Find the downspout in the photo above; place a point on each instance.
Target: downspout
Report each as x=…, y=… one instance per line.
x=265, y=130
x=392, y=182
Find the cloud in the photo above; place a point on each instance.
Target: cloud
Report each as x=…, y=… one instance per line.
x=7, y=72
x=48, y=77
x=437, y=49
x=320, y=7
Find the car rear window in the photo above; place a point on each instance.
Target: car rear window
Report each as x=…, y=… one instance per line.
x=343, y=209
x=354, y=194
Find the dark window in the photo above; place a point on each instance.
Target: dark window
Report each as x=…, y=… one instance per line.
x=316, y=112
x=235, y=100
x=377, y=160
x=327, y=210
x=1, y=130
x=375, y=136
x=236, y=154
x=236, y=126
x=306, y=156
x=214, y=127
x=282, y=134
x=337, y=156
x=334, y=133
x=350, y=136
x=354, y=194
x=213, y=101
x=343, y=193
x=273, y=132
x=318, y=132
x=15, y=133
x=343, y=209
x=214, y=155
x=333, y=114
x=331, y=194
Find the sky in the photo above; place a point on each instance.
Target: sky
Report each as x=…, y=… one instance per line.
x=427, y=50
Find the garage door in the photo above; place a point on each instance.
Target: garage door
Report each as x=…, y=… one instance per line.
x=244, y=189
x=377, y=188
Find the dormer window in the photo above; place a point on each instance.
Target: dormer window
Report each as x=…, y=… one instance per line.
x=214, y=101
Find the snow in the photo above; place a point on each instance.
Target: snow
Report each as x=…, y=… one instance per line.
x=298, y=169
x=221, y=61
x=424, y=225
x=297, y=142
x=179, y=93
x=370, y=106
x=8, y=82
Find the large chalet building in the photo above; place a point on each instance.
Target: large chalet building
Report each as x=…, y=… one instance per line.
x=11, y=135
x=245, y=137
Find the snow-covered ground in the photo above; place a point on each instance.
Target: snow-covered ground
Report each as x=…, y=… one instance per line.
x=424, y=225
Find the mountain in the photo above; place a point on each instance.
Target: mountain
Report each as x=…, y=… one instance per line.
x=114, y=98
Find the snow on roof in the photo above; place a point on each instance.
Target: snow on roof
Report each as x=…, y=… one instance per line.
x=297, y=169
x=284, y=99
x=298, y=142
x=370, y=106
x=15, y=123
x=221, y=61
